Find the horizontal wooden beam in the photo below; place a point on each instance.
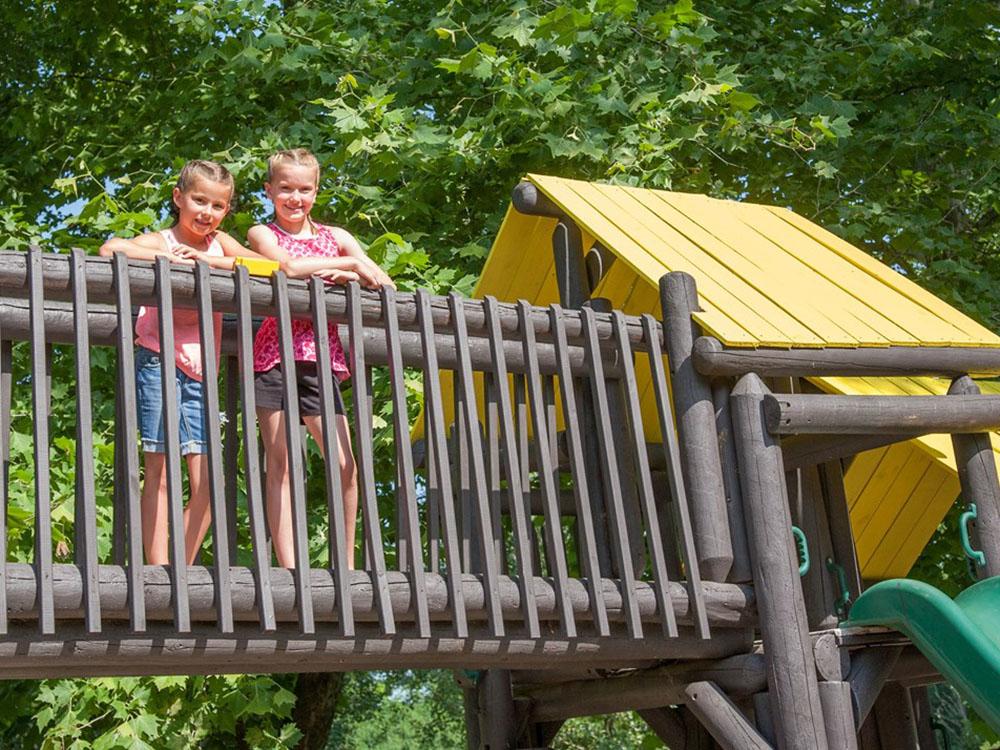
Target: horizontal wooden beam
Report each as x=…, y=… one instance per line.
x=740, y=675
x=102, y=323
x=100, y=289
x=728, y=605
x=803, y=451
x=528, y=199
x=713, y=359
x=792, y=414
x=116, y=651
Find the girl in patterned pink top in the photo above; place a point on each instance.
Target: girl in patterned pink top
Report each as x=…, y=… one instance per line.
x=303, y=248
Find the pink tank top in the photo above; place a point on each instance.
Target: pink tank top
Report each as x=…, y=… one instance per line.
x=187, y=340
x=266, y=352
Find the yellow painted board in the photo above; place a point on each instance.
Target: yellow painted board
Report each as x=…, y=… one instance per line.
x=860, y=472
x=876, y=544
x=745, y=281
x=927, y=512
x=514, y=249
x=715, y=281
x=709, y=223
x=898, y=320
x=874, y=491
x=633, y=253
x=966, y=330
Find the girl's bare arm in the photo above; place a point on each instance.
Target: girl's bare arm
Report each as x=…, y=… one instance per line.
x=143, y=247
x=262, y=240
x=354, y=250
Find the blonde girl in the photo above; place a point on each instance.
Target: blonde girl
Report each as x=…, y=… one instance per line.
x=303, y=248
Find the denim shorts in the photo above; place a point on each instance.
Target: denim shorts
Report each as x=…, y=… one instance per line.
x=149, y=392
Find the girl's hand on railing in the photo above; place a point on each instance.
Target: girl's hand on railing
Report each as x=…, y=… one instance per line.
x=186, y=255
x=337, y=276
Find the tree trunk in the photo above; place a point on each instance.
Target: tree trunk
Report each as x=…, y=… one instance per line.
x=316, y=698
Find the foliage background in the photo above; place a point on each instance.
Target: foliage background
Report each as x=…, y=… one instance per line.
x=878, y=119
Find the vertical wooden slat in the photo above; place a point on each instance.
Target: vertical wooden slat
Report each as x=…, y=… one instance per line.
x=645, y=484
x=231, y=451
x=463, y=482
x=493, y=471
x=433, y=504
x=171, y=438
x=337, y=543
x=524, y=466
x=39, y=405
x=293, y=442
x=129, y=454
x=609, y=467
x=671, y=451
x=119, y=493
x=438, y=465
x=251, y=454
x=585, y=521
x=406, y=495
x=546, y=476
x=221, y=552
x=85, y=517
x=366, y=462
x=6, y=383
x=491, y=584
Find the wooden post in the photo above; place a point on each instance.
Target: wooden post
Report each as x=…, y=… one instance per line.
x=894, y=714
x=797, y=712
x=721, y=718
x=977, y=471
x=869, y=671
x=699, y=440
x=841, y=731
x=497, y=714
x=740, y=572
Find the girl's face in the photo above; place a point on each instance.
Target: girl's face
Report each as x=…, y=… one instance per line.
x=292, y=190
x=203, y=206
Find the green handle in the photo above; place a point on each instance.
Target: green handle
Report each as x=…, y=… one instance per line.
x=963, y=527
x=803, y=547
x=845, y=592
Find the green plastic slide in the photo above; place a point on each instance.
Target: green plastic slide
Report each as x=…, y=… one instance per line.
x=961, y=637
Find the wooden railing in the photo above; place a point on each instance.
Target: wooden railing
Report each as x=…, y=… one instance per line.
x=535, y=511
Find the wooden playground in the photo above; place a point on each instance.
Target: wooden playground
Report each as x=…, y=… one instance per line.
x=676, y=456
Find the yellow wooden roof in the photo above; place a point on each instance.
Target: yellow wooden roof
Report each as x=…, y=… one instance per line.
x=766, y=277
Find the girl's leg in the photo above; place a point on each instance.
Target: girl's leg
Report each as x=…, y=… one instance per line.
x=198, y=513
x=278, y=490
x=348, y=475
x=155, y=525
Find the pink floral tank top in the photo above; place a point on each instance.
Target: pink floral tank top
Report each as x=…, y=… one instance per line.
x=266, y=350
x=187, y=337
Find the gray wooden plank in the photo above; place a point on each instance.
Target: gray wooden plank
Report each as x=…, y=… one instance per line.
x=6, y=382
x=406, y=494
x=585, y=521
x=231, y=450
x=221, y=551
x=251, y=455
x=365, y=459
x=296, y=469
x=471, y=426
x=129, y=454
x=337, y=542
x=39, y=405
x=85, y=519
x=171, y=438
x=647, y=501
x=493, y=468
x=546, y=473
x=439, y=466
x=678, y=493
x=609, y=467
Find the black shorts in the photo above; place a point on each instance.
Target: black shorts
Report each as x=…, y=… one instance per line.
x=270, y=393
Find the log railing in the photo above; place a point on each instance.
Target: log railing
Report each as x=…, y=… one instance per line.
x=489, y=534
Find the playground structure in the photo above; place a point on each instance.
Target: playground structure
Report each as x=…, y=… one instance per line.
x=579, y=527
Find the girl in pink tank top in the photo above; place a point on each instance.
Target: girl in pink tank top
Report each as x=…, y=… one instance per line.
x=201, y=200
x=303, y=248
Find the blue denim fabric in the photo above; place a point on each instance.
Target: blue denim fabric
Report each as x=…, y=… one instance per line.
x=149, y=391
